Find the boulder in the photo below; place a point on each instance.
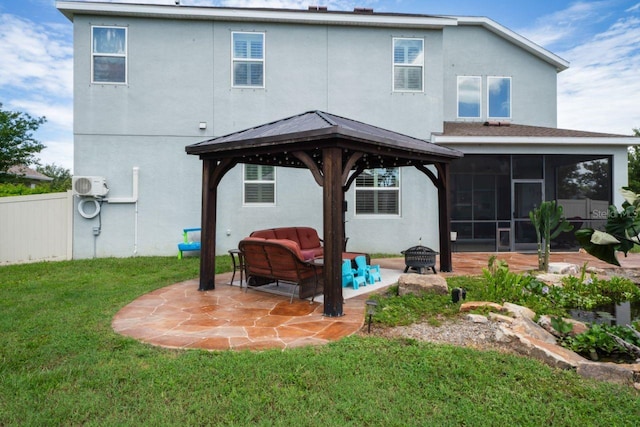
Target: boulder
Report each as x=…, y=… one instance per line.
x=477, y=318
x=529, y=328
x=562, y=268
x=417, y=283
x=474, y=305
x=609, y=372
x=519, y=311
x=577, y=327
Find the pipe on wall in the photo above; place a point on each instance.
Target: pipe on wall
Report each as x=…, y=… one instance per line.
x=132, y=199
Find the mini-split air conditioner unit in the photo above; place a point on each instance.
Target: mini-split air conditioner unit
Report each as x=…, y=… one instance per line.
x=89, y=186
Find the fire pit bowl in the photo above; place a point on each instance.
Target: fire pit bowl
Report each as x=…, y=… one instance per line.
x=420, y=258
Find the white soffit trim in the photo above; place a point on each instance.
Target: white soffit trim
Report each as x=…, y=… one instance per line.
x=531, y=140
x=515, y=38
x=71, y=8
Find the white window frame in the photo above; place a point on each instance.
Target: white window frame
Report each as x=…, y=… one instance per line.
x=245, y=181
x=479, y=79
x=261, y=61
x=124, y=55
x=394, y=65
x=489, y=78
x=397, y=189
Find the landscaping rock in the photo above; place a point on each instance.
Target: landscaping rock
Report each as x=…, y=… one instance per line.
x=474, y=305
x=528, y=327
x=477, y=318
x=562, y=268
x=578, y=327
x=551, y=278
x=609, y=372
x=501, y=318
x=519, y=311
x=416, y=283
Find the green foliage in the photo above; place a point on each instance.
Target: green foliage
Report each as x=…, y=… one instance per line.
x=61, y=177
x=8, y=190
x=621, y=233
x=394, y=310
x=548, y=221
x=561, y=326
x=62, y=364
x=596, y=341
x=17, y=144
x=593, y=292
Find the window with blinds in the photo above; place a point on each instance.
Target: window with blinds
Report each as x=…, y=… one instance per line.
x=248, y=59
x=259, y=185
x=378, y=192
x=408, y=64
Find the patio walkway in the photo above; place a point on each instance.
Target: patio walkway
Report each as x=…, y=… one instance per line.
x=180, y=316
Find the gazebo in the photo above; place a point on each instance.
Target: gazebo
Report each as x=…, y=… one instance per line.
x=335, y=150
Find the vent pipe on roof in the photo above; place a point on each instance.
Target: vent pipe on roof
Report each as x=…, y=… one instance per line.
x=318, y=8
x=362, y=10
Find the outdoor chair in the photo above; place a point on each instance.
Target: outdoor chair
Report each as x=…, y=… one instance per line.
x=371, y=273
x=349, y=277
x=190, y=241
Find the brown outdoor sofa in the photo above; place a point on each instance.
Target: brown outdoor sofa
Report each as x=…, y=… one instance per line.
x=268, y=261
x=286, y=254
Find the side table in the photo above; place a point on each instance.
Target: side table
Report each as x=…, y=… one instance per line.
x=237, y=260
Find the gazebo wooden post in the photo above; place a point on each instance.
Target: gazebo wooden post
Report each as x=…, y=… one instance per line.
x=333, y=226
x=446, y=264
x=212, y=173
x=208, y=234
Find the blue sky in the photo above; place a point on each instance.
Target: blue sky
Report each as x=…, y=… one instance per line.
x=601, y=40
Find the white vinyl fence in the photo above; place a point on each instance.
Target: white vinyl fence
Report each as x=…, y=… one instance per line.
x=36, y=228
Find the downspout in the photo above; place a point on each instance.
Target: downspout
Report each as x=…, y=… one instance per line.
x=133, y=199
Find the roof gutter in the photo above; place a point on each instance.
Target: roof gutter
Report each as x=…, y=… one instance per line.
x=72, y=8
x=533, y=140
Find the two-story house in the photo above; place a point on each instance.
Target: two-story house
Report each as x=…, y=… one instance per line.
x=150, y=80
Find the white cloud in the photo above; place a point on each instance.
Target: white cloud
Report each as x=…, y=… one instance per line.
x=601, y=44
x=598, y=91
x=568, y=25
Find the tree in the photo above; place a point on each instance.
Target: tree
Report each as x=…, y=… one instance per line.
x=548, y=221
x=17, y=144
x=634, y=165
x=61, y=177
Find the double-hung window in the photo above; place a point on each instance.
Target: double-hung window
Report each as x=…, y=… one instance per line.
x=109, y=55
x=469, y=96
x=259, y=185
x=499, y=97
x=378, y=192
x=248, y=59
x=408, y=64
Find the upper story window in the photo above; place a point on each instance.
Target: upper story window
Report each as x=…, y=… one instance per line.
x=499, y=97
x=248, y=59
x=108, y=55
x=408, y=64
x=469, y=96
x=378, y=192
x=259, y=185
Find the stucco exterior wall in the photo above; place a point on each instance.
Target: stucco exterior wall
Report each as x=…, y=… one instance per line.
x=179, y=75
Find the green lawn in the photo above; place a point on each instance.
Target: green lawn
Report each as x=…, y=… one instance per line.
x=61, y=364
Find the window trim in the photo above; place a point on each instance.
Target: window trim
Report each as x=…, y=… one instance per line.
x=394, y=65
x=124, y=55
x=397, y=188
x=258, y=181
x=479, y=78
x=510, y=97
x=263, y=61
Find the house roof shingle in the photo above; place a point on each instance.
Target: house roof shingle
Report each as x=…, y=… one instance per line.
x=514, y=130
